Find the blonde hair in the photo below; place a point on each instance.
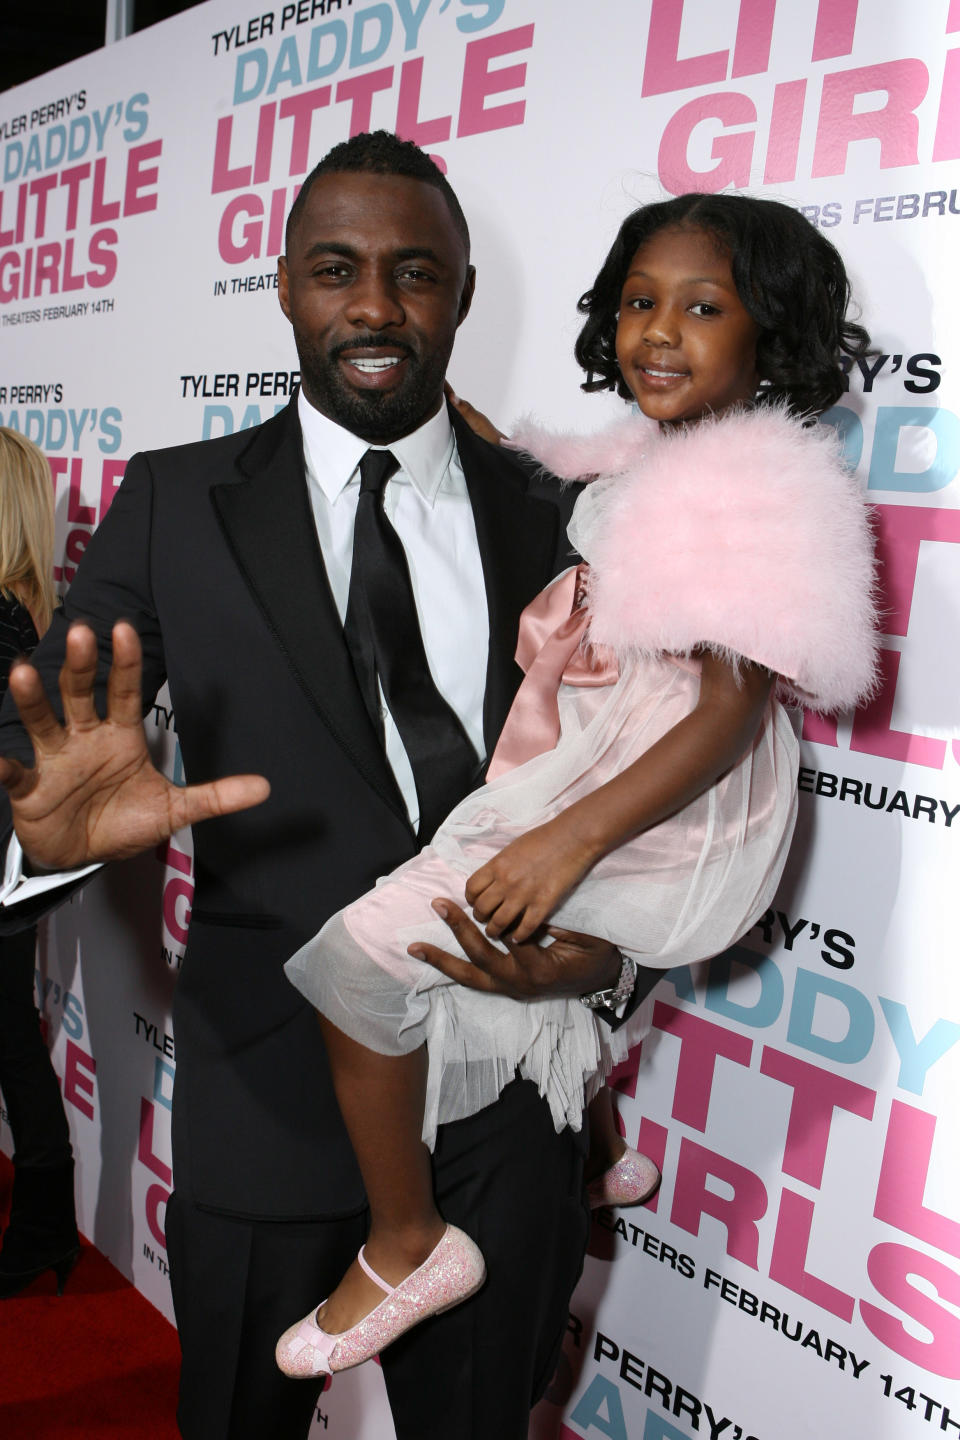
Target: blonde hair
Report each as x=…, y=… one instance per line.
x=26, y=526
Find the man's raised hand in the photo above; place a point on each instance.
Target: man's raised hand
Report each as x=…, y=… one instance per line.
x=93, y=793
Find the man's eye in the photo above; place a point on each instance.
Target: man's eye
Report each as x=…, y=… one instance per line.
x=414, y=273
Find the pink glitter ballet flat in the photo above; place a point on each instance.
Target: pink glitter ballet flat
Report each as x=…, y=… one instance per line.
x=630, y=1181
x=453, y=1271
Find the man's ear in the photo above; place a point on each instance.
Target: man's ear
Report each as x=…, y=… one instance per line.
x=466, y=296
x=283, y=293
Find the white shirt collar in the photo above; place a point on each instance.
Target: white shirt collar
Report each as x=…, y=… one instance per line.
x=333, y=454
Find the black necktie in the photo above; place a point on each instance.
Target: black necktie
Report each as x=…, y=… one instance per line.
x=383, y=635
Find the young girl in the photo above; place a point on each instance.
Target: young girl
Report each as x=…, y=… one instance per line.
x=644, y=789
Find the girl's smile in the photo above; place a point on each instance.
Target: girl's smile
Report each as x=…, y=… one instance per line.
x=686, y=344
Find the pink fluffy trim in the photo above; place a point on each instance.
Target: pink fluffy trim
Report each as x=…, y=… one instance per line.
x=746, y=534
x=582, y=457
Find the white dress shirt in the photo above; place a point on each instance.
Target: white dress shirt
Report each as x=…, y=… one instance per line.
x=427, y=503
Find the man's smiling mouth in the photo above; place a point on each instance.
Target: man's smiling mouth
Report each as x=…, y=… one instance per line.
x=370, y=365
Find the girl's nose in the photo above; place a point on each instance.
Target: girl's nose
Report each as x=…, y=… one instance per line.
x=661, y=328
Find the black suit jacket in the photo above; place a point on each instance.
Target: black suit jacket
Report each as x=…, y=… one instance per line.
x=211, y=550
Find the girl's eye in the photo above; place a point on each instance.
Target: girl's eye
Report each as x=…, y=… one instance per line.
x=638, y=302
x=704, y=308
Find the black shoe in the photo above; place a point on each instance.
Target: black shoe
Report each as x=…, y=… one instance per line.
x=13, y=1281
x=42, y=1233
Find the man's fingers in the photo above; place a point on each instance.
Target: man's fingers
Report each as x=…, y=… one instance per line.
x=500, y=967
x=453, y=966
x=77, y=675
x=574, y=965
x=479, y=950
x=41, y=724
x=481, y=955
x=124, y=698
x=17, y=781
x=218, y=797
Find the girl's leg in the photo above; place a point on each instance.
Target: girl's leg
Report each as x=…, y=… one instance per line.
x=381, y=1098
x=616, y=1174
x=607, y=1145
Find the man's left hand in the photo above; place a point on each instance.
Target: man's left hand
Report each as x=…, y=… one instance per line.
x=572, y=965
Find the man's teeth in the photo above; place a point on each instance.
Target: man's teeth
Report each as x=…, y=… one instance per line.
x=371, y=364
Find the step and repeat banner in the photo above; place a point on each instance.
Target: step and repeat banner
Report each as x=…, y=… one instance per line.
x=799, y=1272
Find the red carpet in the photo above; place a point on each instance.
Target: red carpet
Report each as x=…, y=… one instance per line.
x=97, y=1362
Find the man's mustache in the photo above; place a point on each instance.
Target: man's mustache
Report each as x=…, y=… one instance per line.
x=372, y=342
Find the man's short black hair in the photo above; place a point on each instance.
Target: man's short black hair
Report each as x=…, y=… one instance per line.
x=379, y=152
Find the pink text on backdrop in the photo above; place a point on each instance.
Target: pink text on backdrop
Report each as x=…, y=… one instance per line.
x=158, y=1192
x=177, y=893
x=79, y=1079
x=281, y=144
x=901, y=529
x=900, y=1184
x=665, y=71
x=63, y=201
x=148, y=1151
x=893, y=127
x=82, y=519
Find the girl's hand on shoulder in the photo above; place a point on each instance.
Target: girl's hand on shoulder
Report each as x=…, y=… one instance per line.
x=479, y=423
x=518, y=890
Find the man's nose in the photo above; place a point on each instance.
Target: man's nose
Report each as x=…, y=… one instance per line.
x=375, y=302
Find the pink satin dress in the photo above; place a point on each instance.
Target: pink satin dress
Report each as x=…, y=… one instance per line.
x=679, y=892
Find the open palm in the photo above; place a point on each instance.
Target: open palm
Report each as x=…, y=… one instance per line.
x=93, y=793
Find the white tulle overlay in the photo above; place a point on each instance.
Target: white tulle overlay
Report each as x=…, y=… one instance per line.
x=745, y=534
x=681, y=891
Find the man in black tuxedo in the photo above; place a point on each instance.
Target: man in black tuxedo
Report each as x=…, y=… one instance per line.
x=231, y=560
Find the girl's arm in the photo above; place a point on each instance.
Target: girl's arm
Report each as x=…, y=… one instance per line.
x=521, y=886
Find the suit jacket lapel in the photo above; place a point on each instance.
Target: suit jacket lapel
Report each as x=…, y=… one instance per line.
x=265, y=515
x=517, y=549
x=266, y=519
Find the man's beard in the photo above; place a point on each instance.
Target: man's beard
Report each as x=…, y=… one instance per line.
x=374, y=415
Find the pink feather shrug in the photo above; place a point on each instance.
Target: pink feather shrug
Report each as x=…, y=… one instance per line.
x=745, y=534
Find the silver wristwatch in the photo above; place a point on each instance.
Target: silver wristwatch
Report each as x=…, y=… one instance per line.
x=610, y=999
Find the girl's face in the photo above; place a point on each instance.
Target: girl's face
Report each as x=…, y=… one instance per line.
x=686, y=345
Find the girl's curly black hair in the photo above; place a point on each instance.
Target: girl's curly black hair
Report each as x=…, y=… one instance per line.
x=789, y=277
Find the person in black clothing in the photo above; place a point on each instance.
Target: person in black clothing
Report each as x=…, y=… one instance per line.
x=230, y=557
x=42, y=1233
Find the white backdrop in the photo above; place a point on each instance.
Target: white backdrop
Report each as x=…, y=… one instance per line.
x=799, y=1273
